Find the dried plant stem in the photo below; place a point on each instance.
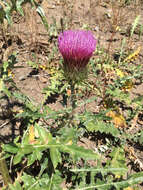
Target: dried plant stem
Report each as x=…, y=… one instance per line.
x=110, y=41
x=103, y=76
x=116, y=12
x=4, y=170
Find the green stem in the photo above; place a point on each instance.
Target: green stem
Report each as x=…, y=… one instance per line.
x=4, y=170
x=73, y=98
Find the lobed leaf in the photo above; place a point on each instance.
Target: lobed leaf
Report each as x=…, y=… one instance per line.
x=102, y=127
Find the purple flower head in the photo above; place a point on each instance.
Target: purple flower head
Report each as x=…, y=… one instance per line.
x=76, y=47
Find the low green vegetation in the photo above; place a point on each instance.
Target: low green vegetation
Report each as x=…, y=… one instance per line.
x=74, y=147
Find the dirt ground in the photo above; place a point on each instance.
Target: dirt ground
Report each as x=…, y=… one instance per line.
x=29, y=38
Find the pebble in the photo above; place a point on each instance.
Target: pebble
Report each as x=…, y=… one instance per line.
x=22, y=77
x=108, y=13
x=96, y=28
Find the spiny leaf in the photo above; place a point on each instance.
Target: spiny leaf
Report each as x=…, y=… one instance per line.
x=44, y=165
x=36, y=155
x=55, y=156
x=130, y=181
x=103, y=170
x=55, y=182
x=10, y=148
x=102, y=127
x=17, y=158
x=79, y=152
x=43, y=134
x=15, y=186
x=117, y=160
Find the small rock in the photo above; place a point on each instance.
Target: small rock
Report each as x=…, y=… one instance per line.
x=108, y=13
x=96, y=28
x=22, y=77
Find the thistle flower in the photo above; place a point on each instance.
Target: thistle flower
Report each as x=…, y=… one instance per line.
x=76, y=47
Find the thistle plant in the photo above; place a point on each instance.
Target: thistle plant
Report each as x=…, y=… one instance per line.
x=76, y=47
